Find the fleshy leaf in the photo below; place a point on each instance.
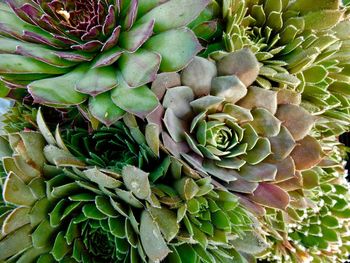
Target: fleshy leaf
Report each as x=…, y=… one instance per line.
x=139, y=101
x=166, y=220
x=151, y=238
x=136, y=181
x=198, y=76
x=182, y=13
x=271, y=196
x=297, y=120
x=101, y=179
x=242, y=63
x=139, y=68
x=59, y=90
x=20, y=65
x=97, y=80
x=307, y=153
x=177, y=47
x=103, y=108
x=265, y=123
x=228, y=87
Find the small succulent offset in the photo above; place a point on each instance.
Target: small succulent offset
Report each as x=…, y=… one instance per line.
x=253, y=141
x=67, y=52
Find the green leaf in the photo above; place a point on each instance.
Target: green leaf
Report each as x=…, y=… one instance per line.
x=101, y=179
x=128, y=198
x=136, y=181
x=330, y=221
x=91, y=211
x=187, y=188
x=265, y=123
x=60, y=247
x=250, y=243
x=17, y=218
x=139, y=101
x=151, y=238
x=117, y=226
x=4, y=90
x=137, y=36
x=329, y=234
x=152, y=137
x=20, y=65
x=44, y=130
x=261, y=150
x=103, y=108
x=182, y=12
x=273, y=5
x=315, y=74
x=221, y=220
x=187, y=253
x=103, y=205
x=177, y=47
x=17, y=192
x=203, y=254
x=140, y=67
x=59, y=90
x=38, y=52
x=97, y=80
x=166, y=220
x=15, y=242
x=322, y=20
x=42, y=234
x=307, y=6
x=61, y=157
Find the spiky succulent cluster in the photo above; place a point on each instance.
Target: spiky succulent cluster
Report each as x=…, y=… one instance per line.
x=125, y=146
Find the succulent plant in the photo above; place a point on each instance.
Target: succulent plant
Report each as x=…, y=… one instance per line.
x=110, y=147
x=302, y=47
x=65, y=201
x=68, y=52
x=220, y=125
x=68, y=211
x=318, y=230
x=22, y=116
x=211, y=219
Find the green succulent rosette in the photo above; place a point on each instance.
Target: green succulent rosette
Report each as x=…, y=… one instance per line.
x=316, y=230
x=104, y=195
x=65, y=53
x=301, y=46
x=67, y=211
x=214, y=221
x=253, y=141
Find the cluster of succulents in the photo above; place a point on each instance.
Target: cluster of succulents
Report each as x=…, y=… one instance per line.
x=77, y=208
x=177, y=131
